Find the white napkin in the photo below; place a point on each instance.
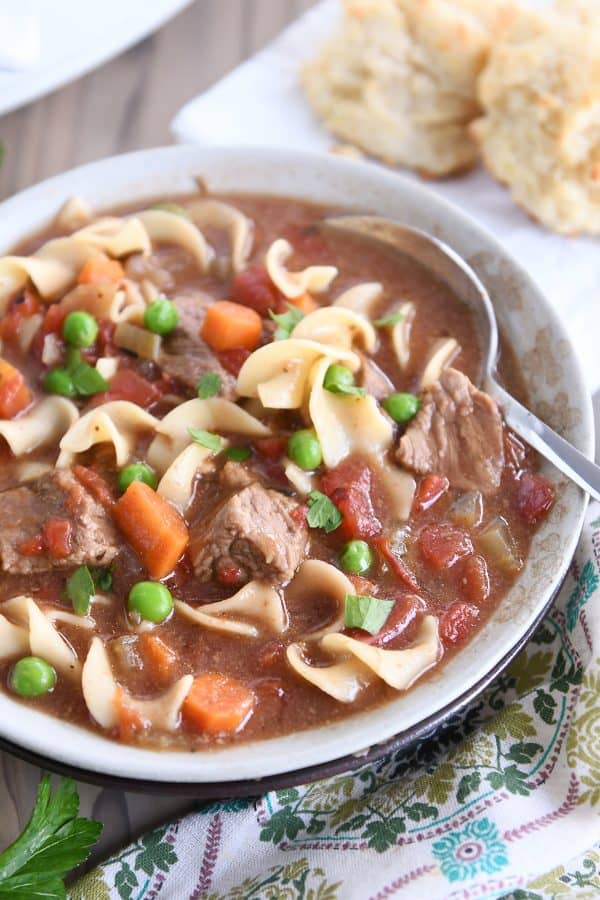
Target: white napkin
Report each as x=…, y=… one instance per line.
x=19, y=36
x=261, y=103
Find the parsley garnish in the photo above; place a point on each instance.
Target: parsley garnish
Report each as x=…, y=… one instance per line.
x=388, y=321
x=103, y=578
x=368, y=613
x=238, y=454
x=86, y=380
x=206, y=439
x=80, y=590
x=286, y=322
x=322, y=513
x=54, y=841
x=209, y=385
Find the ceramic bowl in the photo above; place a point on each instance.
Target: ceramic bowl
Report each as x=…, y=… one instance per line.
x=557, y=394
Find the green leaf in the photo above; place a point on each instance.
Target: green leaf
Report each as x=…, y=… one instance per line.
x=209, y=385
x=468, y=784
x=54, y=841
x=287, y=795
x=437, y=786
x=416, y=812
x=80, y=590
x=512, y=722
x=388, y=321
x=496, y=780
x=368, y=613
x=103, y=578
x=382, y=835
x=346, y=390
x=515, y=781
x=157, y=853
x=238, y=454
x=322, y=513
x=544, y=705
x=206, y=439
x=126, y=881
x=87, y=380
x=524, y=752
x=283, y=823
x=286, y=322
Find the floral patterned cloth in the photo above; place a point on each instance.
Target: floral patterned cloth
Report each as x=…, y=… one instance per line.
x=503, y=801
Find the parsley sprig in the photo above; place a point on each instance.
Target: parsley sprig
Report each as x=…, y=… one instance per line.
x=206, y=439
x=286, y=322
x=389, y=321
x=54, y=841
x=322, y=513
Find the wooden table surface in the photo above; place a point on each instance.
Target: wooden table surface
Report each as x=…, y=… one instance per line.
x=124, y=105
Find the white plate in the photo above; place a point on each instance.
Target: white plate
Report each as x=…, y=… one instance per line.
x=78, y=35
x=551, y=370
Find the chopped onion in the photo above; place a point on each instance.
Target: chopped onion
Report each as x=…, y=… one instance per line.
x=137, y=340
x=107, y=366
x=52, y=351
x=467, y=509
x=496, y=541
x=28, y=330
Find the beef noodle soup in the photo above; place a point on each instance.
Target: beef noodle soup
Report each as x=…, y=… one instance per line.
x=248, y=483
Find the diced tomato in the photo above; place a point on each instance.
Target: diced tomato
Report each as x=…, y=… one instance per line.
x=54, y=318
x=128, y=385
x=33, y=546
x=15, y=396
x=298, y=514
x=228, y=573
x=349, y=487
x=271, y=447
x=233, y=360
x=443, y=545
x=457, y=622
x=57, y=534
x=397, y=565
x=24, y=305
x=403, y=613
x=95, y=484
x=475, y=579
x=535, y=497
x=254, y=288
x=430, y=489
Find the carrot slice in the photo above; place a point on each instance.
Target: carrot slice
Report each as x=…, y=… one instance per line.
x=15, y=396
x=154, y=528
x=129, y=721
x=157, y=656
x=305, y=303
x=100, y=270
x=217, y=703
x=228, y=325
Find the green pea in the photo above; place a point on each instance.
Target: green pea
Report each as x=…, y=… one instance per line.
x=32, y=677
x=152, y=600
x=402, y=407
x=304, y=449
x=161, y=316
x=80, y=329
x=338, y=379
x=136, y=472
x=356, y=557
x=59, y=381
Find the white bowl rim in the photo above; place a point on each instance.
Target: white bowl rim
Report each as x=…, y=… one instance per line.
x=71, y=745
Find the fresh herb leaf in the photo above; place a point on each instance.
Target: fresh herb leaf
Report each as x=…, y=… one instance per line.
x=322, y=513
x=80, y=590
x=87, y=380
x=286, y=322
x=346, y=390
x=238, y=454
x=340, y=380
x=388, y=321
x=72, y=359
x=103, y=578
x=368, y=613
x=209, y=385
x=206, y=439
x=54, y=841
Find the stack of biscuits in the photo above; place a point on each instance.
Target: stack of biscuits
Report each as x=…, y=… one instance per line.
x=436, y=85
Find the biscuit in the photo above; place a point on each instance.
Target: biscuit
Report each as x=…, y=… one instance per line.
x=399, y=79
x=540, y=132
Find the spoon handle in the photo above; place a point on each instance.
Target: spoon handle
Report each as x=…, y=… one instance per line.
x=564, y=455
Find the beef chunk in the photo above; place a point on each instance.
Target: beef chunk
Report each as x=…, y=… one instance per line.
x=57, y=495
x=457, y=433
x=252, y=529
x=185, y=355
x=234, y=476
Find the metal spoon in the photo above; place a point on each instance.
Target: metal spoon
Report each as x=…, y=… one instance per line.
x=451, y=269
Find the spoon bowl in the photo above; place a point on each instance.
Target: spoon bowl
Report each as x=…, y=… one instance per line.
x=439, y=259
